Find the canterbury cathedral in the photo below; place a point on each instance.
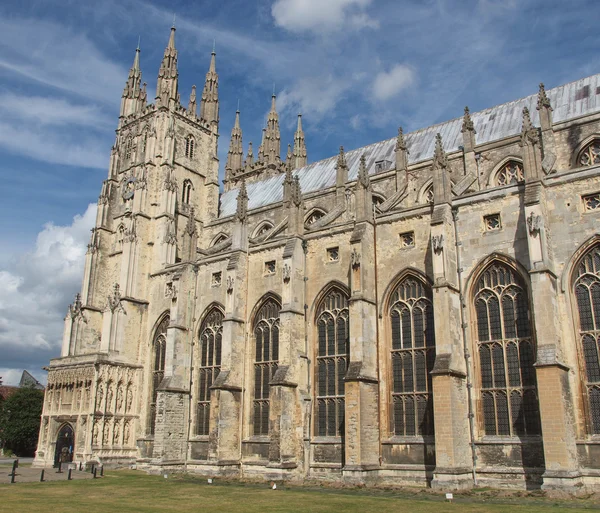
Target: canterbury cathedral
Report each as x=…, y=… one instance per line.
x=422, y=311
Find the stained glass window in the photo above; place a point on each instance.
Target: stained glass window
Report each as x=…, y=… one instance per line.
x=159, y=348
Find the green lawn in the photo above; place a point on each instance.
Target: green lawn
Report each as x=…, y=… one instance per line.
x=130, y=491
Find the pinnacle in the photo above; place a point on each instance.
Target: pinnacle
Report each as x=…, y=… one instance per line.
x=171, y=43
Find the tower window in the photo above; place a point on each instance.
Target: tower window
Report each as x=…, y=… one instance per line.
x=189, y=147
x=159, y=348
x=591, y=201
x=128, y=147
x=186, y=192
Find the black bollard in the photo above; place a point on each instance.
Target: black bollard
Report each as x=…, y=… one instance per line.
x=42, y=476
x=12, y=477
x=93, y=468
x=69, y=475
x=94, y=473
x=14, y=467
x=80, y=466
x=59, y=471
x=102, y=471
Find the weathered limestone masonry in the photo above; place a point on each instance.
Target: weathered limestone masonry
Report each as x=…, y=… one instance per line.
x=424, y=310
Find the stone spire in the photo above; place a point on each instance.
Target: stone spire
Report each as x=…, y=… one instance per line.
x=249, y=162
x=192, y=103
x=168, y=76
x=209, y=106
x=241, y=211
x=272, y=144
x=300, y=159
x=261, y=148
x=289, y=157
x=341, y=176
x=442, y=186
x=530, y=139
x=133, y=100
x=401, y=151
x=363, y=179
x=468, y=131
x=545, y=108
x=236, y=150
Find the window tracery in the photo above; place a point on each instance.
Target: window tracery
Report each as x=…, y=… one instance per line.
x=587, y=293
x=211, y=333
x=428, y=194
x=332, y=362
x=314, y=216
x=506, y=354
x=266, y=337
x=128, y=147
x=510, y=173
x=189, y=147
x=413, y=356
x=186, y=192
x=159, y=348
x=590, y=155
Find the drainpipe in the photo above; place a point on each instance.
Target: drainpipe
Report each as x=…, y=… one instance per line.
x=377, y=330
x=308, y=445
x=465, y=345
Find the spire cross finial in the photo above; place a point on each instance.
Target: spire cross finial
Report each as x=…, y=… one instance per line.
x=138, y=46
x=238, y=109
x=273, y=88
x=174, y=17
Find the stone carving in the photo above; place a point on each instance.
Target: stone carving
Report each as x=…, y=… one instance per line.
x=129, y=398
x=100, y=397
x=95, y=433
x=109, y=396
x=114, y=300
x=105, y=433
x=437, y=243
x=534, y=223
x=286, y=272
x=230, y=282
x=171, y=290
x=119, y=397
x=129, y=186
x=355, y=259
x=126, y=433
x=75, y=309
x=116, y=432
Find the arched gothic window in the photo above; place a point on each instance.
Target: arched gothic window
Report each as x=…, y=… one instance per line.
x=428, y=194
x=265, y=228
x=159, y=348
x=314, y=216
x=332, y=362
x=506, y=353
x=266, y=337
x=219, y=239
x=186, y=192
x=413, y=356
x=211, y=333
x=587, y=292
x=189, y=147
x=590, y=155
x=510, y=173
x=378, y=199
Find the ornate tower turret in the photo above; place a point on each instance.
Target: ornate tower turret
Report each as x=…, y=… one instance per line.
x=272, y=144
x=300, y=159
x=167, y=94
x=134, y=95
x=209, y=106
x=236, y=150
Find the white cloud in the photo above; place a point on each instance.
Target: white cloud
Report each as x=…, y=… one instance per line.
x=53, y=111
x=314, y=97
x=388, y=84
x=318, y=15
x=56, y=56
x=35, y=290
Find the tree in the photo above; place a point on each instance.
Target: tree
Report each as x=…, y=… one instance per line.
x=20, y=420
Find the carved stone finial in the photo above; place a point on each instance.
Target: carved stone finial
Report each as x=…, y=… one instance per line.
x=440, y=158
x=341, y=160
x=363, y=175
x=114, y=299
x=543, y=100
x=296, y=193
x=534, y=223
x=400, y=142
x=529, y=134
x=241, y=212
x=468, y=125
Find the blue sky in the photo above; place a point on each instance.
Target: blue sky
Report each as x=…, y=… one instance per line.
x=356, y=69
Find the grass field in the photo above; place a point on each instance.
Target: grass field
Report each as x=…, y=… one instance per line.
x=130, y=491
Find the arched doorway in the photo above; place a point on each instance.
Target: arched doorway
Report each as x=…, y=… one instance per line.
x=65, y=443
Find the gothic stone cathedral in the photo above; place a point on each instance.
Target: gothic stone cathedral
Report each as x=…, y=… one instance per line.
x=422, y=310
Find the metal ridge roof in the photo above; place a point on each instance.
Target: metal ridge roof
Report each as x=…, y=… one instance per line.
x=569, y=101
